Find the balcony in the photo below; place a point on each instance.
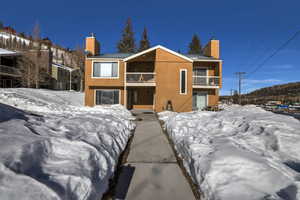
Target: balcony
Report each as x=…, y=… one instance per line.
x=9, y=71
x=140, y=79
x=206, y=82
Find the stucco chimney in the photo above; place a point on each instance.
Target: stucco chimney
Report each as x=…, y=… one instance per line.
x=212, y=49
x=92, y=45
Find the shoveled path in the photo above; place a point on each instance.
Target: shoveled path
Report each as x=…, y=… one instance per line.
x=151, y=171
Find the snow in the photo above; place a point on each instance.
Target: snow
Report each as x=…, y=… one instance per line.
x=52, y=147
x=242, y=152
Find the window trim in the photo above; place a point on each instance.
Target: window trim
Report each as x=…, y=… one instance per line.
x=95, y=92
x=186, y=86
x=106, y=61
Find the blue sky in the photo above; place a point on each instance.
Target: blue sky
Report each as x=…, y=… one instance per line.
x=248, y=30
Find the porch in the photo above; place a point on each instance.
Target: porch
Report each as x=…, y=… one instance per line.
x=140, y=98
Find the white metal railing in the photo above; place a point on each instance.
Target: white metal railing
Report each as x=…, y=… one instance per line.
x=9, y=70
x=140, y=77
x=206, y=80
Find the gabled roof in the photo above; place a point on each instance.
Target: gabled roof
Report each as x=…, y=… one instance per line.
x=158, y=47
x=113, y=55
x=128, y=56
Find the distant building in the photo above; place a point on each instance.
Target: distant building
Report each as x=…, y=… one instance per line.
x=55, y=63
x=61, y=77
x=9, y=70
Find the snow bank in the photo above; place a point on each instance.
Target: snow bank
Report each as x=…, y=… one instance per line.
x=53, y=148
x=239, y=153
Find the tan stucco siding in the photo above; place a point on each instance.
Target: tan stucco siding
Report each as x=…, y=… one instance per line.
x=167, y=70
x=164, y=56
x=90, y=81
x=104, y=83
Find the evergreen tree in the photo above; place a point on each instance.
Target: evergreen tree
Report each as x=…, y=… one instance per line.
x=22, y=34
x=144, y=43
x=195, y=45
x=127, y=43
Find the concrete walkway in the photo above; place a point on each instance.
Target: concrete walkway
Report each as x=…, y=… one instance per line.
x=151, y=171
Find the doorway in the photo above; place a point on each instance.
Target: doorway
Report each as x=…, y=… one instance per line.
x=200, y=100
x=140, y=98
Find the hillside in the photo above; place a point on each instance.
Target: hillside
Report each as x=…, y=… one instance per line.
x=287, y=93
x=289, y=90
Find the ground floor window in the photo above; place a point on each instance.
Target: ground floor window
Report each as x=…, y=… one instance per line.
x=107, y=97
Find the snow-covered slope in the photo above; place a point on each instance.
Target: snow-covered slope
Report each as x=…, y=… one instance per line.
x=239, y=153
x=51, y=147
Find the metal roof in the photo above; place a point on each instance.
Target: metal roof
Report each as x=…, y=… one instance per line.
x=199, y=57
x=194, y=57
x=5, y=52
x=113, y=55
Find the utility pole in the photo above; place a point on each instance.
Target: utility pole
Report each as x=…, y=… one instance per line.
x=231, y=95
x=240, y=77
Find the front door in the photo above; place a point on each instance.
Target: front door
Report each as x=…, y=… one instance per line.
x=199, y=100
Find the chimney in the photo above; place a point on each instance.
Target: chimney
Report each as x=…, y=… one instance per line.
x=92, y=45
x=212, y=49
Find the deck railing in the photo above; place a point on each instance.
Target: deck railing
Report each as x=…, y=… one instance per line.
x=140, y=77
x=9, y=70
x=206, y=80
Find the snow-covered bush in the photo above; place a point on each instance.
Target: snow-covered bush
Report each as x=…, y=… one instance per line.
x=51, y=148
x=238, y=153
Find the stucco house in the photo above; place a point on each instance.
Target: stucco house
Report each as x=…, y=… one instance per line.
x=155, y=79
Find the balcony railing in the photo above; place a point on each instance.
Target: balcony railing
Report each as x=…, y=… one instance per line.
x=9, y=70
x=140, y=77
x=206, y=80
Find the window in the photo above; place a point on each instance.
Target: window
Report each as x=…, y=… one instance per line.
x=183, y=81
x=200, y=76
x=107, y=97
x=105, y=70
x=200, y=72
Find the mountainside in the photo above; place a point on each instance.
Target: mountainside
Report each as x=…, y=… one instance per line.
x=286, y=93
x=289, y=89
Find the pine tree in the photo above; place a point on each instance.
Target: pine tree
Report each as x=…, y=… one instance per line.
x=195, y=45
x=127, y=43
x=144, y=43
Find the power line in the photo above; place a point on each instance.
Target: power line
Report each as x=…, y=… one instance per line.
x=274, y=53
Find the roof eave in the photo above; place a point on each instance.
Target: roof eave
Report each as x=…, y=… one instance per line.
x=154, y=48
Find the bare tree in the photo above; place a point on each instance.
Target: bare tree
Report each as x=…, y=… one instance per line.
x=79, y=62
x=37, y=45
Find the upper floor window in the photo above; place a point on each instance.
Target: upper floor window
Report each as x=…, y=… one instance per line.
x=105, y=70
x=197, y=71
x=183, y=81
